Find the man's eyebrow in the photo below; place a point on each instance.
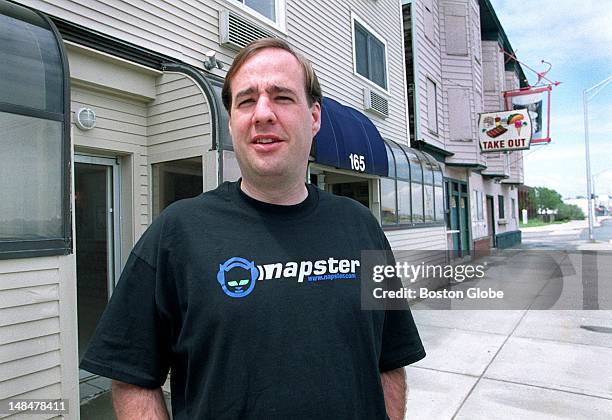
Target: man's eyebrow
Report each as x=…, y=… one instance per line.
x=245, y=92
x=280, y=89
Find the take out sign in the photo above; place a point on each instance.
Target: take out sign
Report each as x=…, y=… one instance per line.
x=504, y=130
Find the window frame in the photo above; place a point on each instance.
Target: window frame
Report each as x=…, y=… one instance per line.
x=501, y=210
x=431, y=130
x=26, y=248
x=357, y=20
x=280, y=9
x=434, y=167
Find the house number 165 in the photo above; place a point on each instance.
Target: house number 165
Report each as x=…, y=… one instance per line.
x=357, y=162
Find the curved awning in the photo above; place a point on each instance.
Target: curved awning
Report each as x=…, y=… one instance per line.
x=349, y=140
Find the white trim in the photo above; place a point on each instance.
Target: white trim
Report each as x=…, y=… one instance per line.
x=280, y=9
x=355, y=18
x=114, y=59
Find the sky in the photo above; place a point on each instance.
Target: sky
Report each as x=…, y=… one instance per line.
x=575, y=36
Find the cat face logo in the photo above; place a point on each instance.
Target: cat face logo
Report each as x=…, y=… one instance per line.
x=237, y=277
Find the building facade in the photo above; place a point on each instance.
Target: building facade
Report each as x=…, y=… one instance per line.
x=110, y=111
x=456, y=69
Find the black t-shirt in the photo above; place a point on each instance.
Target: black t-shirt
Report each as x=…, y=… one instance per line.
x=255, y=308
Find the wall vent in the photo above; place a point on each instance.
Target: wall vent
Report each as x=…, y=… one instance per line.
x=374, y=102
x=237, y=32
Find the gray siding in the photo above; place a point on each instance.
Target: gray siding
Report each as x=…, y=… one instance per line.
x=428, y=65
x=329, y=47
x=120, y=129
x=515, y=166
x=461, y=71
x=493, y=76
x=178, y=120
x=186, y=30
x=515, y=159
x=30, y=349
x=419, y=239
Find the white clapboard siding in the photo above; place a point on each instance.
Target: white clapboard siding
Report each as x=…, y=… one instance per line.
x=121, y=128
x=493, y=76
x=30, y=382
x=515, y=164
x=496, y=164
x=428, y=66
x=494, y=83
x=186, y=30
x=178, y=122
x=330, y=48
x=29, y=325
x=181, y=29
x=511, y=80
x=418, y=239
x=44, y=393
x=118, y=120
x=461, y=71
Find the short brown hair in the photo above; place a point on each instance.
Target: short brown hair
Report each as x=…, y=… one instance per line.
x=311, y=82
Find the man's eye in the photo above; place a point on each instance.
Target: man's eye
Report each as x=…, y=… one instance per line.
x=284, y=99
x=245, y=102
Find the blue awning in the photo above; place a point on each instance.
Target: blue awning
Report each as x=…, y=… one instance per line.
x=349, y=140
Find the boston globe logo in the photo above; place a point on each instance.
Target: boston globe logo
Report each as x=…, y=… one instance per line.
x=237, y=277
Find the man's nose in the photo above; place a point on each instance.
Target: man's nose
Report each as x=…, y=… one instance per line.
x=263, y=111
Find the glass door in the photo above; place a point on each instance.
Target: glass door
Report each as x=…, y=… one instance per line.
x=97, y=254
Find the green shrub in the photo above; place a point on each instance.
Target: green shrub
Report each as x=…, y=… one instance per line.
x=569, y=212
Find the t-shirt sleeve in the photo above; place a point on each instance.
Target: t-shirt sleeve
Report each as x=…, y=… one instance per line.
x=401, y=344
x=132, y=341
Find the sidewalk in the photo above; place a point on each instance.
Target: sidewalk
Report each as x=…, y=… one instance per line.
x=516, y=364
x=572, y=225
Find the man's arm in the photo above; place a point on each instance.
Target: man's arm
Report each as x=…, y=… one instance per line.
x=134, y=402
x=394, y=389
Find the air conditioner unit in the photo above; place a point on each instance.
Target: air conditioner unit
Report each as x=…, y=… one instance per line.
x=375, y=102
x=237, y=32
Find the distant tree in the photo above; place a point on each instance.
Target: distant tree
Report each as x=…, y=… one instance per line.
x=569, y=212
x=546, y=198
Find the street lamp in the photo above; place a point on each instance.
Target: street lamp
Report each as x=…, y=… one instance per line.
x=587, y=95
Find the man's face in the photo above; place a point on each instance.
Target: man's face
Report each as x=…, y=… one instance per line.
x=271, y=123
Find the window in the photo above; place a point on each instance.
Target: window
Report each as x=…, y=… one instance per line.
x=513, y=209
x=500, y=207
x=456, y=30
x=35, y=140
x=413, y=192
x=270, y=9
x=416, y=172
x=432, y=106
x=388, y=197
x=429, y=21
x=459, y=114
x=478, y=202
x=370, y=55
x=388, y=204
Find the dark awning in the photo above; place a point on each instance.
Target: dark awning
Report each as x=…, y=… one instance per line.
x=349, y=140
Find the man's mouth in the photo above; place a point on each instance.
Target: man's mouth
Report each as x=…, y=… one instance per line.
x=265, y=141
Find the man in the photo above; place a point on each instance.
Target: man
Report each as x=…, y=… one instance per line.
x=250, y=293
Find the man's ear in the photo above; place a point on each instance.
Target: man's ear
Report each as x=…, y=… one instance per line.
x=229, y=127
x=316, y=118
